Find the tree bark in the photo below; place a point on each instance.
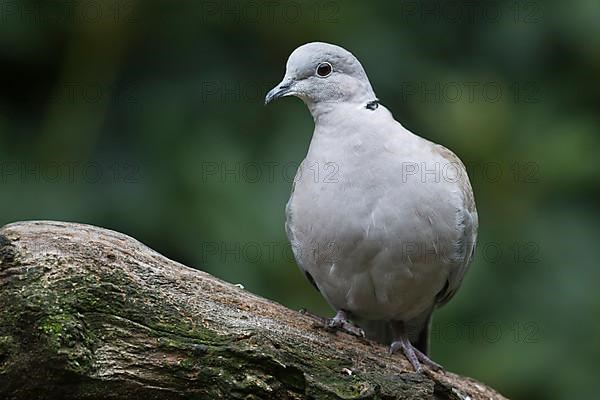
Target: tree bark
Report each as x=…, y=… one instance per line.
x=88, y=313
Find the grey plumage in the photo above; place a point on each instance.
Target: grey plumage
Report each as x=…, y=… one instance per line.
x=382, y=236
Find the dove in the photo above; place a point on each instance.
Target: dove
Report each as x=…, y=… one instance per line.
x=387, y=230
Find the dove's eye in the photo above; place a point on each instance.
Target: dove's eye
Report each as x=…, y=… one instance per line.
x=324, y=69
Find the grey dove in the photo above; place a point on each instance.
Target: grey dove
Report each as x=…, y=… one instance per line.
x=386, y=231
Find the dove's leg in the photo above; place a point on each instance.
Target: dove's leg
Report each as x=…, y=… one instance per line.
x=339, y=322
x=413, y=354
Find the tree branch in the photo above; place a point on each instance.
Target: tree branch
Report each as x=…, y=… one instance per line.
x=87, y=313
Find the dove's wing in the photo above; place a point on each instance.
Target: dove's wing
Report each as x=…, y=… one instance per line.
x=296, y=248
x=468, y=222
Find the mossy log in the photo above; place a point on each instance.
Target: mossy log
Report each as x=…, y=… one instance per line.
x=88, y=313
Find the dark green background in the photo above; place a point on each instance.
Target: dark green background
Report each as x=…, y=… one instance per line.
x=125, y=115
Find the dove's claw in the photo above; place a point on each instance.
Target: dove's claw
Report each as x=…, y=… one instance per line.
x=409, y=352
x=427, y=361
x=341, y=322
x=413, y=354
x=338, y=323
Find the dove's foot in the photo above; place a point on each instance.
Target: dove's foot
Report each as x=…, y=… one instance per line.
x=341, y=322
x=338, y=323
x=414, y=355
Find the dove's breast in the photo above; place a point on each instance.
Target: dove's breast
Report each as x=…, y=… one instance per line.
x=374, y=224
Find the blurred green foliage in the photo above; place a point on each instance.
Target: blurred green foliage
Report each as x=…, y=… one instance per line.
x=148, y=118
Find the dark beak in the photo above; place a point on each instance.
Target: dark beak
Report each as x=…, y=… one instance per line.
x=283, y=89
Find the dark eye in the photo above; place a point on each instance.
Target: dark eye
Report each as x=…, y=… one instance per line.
x=324, y=69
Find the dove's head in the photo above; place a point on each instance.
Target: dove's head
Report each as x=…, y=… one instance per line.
x=322, y=73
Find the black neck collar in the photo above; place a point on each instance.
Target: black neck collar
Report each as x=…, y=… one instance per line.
x=372, y=105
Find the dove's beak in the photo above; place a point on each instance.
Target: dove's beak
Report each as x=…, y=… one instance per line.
x=281, y=90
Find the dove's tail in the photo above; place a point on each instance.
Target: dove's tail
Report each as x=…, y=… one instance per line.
x=383, y=332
